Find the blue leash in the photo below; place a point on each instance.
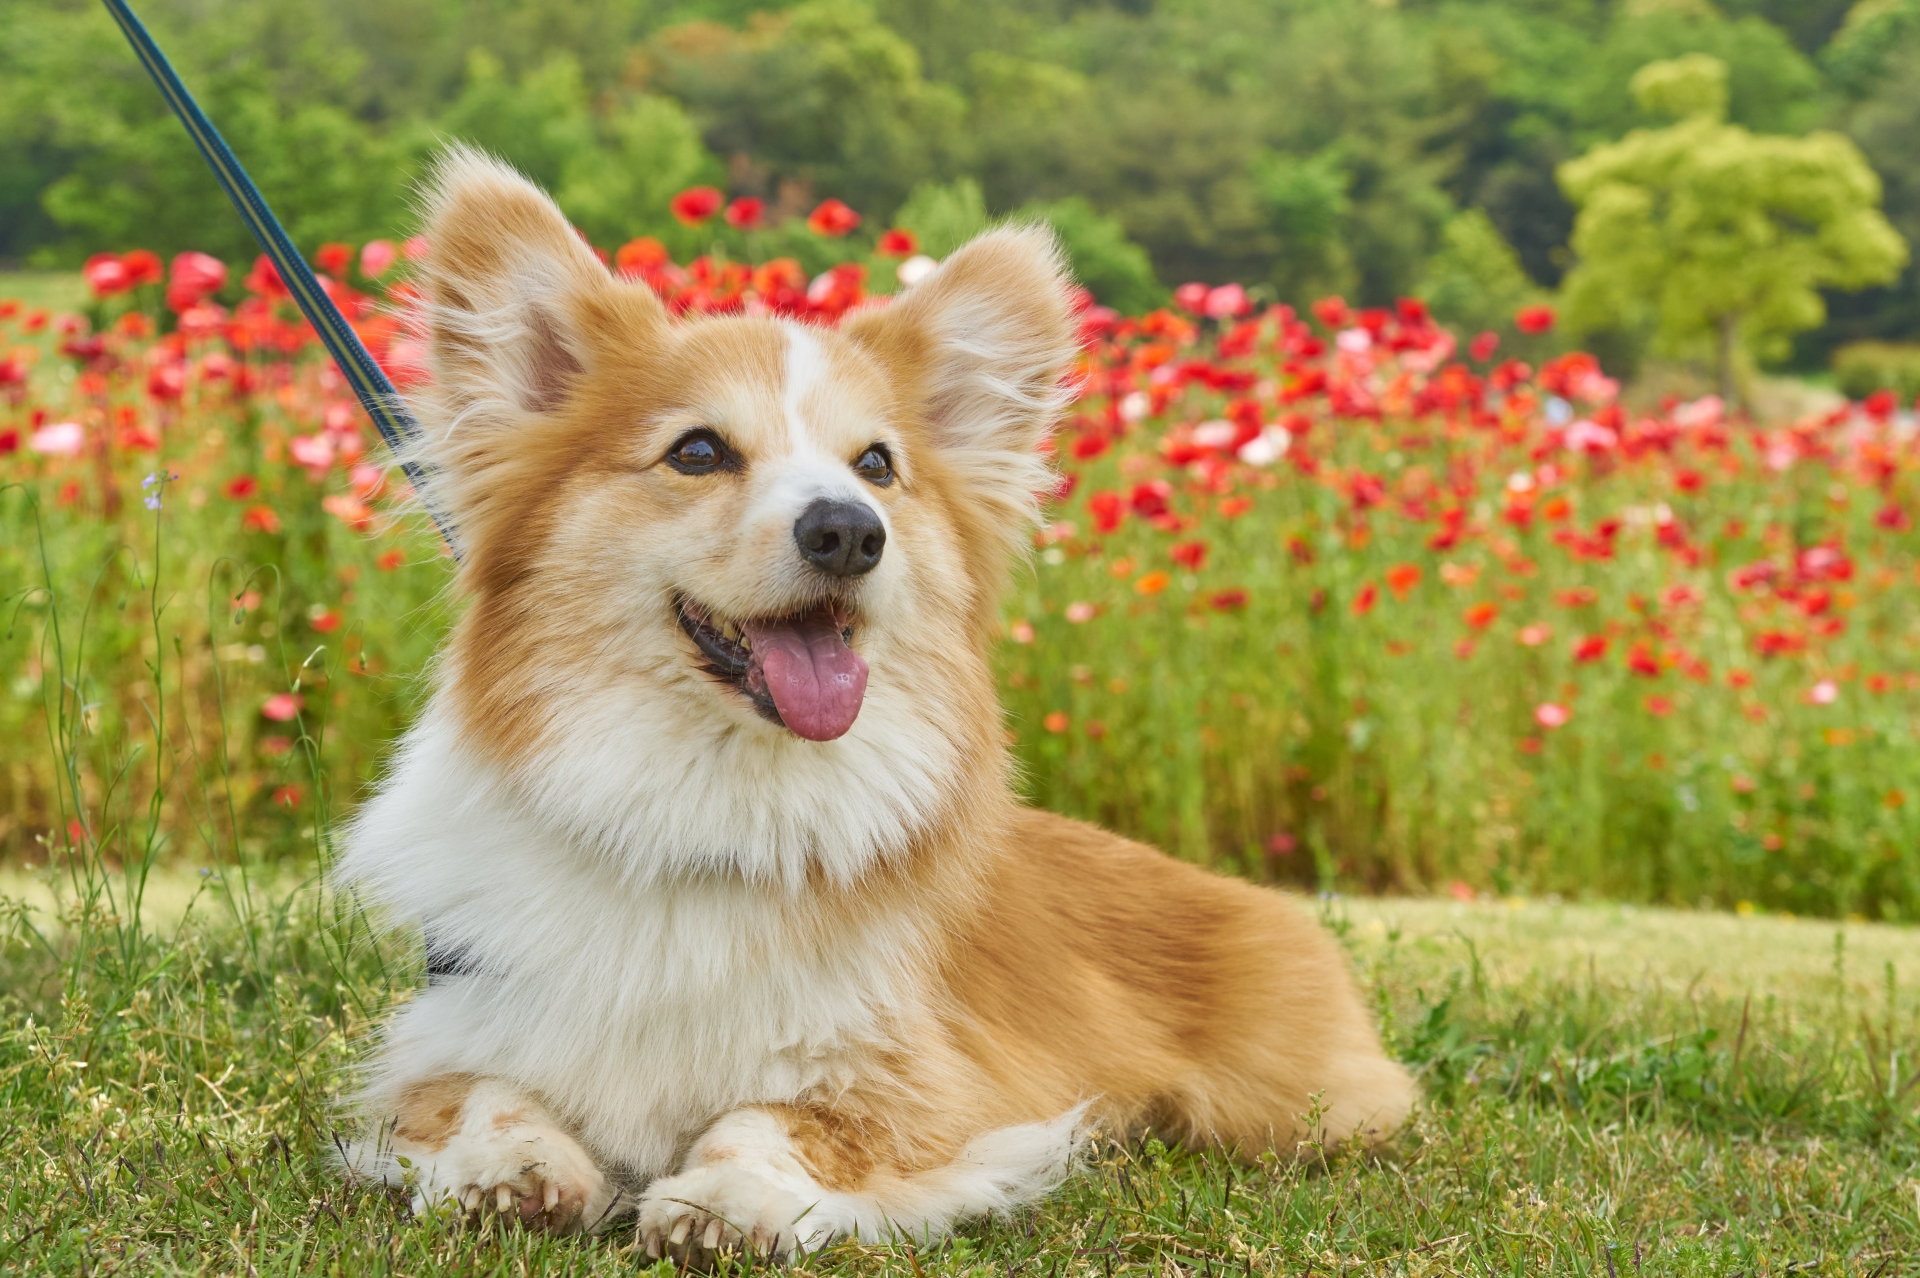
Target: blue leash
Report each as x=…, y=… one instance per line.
x=377, y=395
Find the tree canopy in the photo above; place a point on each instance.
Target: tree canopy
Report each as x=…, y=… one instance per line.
x=1724, y=234
x=1300, y=146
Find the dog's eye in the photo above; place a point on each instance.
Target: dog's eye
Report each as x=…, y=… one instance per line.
x=698, y=452
x=875, y=466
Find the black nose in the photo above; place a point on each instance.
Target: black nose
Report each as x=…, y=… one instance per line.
x=841, y=538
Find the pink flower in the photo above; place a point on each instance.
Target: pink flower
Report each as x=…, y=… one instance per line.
x=1824, y=693
x=106, y=275
x=1192, y=297
x=1551, y=714
x=377, y=258
x=62, y=439
x=315, y=451
x=282, y=707
x=1229, y=301
x=193, y=279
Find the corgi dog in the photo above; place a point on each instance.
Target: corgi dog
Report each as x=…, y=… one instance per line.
x=734, y=920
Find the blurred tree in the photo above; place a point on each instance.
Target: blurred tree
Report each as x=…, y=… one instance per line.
x=1112, y=267
x=1886, y=125
x=1475, y=282
x=944, y=215
x=1718, y=232
x=820, y=99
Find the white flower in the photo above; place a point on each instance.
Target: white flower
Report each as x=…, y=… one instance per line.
x=61, y=439
x=914, y=269
x=1266, y=448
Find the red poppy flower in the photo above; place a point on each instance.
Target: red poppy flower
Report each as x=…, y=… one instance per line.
x=832, y=218
x=1191, y=554
x=746, y=213
x=1151, y=498
x=1534, y=319
x=1364, y=599
x=1483, y=346
x=1481, y=615
x=264, y=279
x=1108, y=510
x=1332, y=311
x=1590, y=648
x=260, y=519
x=899, y=242
x=1402, y=578
x=1228, y=600
x=695, y=205
x=334, y=259
x=638, y=257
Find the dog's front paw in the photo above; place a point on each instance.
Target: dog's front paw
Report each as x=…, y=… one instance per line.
x=528, y=1171
x=729, y=1207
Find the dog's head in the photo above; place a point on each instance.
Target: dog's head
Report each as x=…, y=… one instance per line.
x=752, y=558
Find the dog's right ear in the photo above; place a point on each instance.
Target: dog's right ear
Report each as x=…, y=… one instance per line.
x=516, y=304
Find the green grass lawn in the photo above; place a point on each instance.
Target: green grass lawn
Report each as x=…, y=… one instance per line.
x=1609, y=1091
x=50, y=290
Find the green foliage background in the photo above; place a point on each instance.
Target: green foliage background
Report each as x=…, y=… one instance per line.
x=1312, y=146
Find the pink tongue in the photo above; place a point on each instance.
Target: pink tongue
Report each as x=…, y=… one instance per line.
x=815, y=680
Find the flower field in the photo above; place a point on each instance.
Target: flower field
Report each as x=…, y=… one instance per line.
x=1325, y=595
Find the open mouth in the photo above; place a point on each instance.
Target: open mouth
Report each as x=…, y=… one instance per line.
x=797, y=670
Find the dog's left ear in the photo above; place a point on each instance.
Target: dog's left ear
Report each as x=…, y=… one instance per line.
x=979, y=348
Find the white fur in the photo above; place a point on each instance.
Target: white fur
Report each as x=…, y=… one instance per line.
x=745, y=1175
x=637, y=1006
x=527, y=1154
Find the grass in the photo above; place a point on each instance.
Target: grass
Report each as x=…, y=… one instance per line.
x=47, y=290
x=1609, y=1091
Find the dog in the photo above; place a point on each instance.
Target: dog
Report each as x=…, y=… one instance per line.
x=734, y=921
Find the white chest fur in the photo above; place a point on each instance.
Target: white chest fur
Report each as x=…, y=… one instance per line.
x=637, y=1006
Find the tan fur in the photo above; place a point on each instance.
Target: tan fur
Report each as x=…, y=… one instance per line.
x=428, y=1112
x=1056, y=965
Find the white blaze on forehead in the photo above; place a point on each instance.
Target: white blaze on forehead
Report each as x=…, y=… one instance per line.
x=806, y=368
x=808, y=471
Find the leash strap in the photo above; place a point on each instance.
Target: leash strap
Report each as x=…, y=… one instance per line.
x=376, y=394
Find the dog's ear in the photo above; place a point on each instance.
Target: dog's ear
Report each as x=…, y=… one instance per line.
x=515, y=306
x=979, y=348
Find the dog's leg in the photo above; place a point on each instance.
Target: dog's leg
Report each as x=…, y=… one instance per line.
x=779, y=1179
x=472, y=1144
